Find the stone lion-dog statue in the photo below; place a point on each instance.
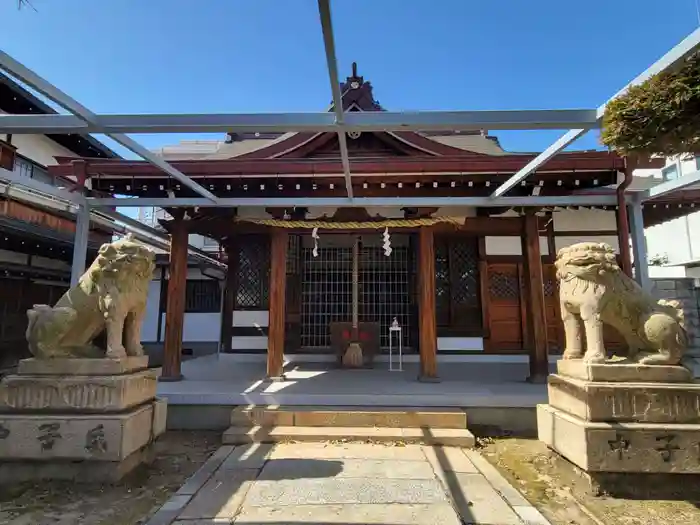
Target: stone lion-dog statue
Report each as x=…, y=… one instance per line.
x=593, y=289
x=111, y=297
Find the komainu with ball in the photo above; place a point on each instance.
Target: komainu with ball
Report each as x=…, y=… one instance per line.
x=111, y=297
x=593, y=290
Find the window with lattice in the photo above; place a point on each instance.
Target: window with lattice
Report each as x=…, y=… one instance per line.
x=253, y=273
x=201, y=295
x=503, y=285
x=457, y=295
x=550, y=286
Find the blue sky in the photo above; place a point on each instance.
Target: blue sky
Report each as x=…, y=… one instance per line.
x=182, y=56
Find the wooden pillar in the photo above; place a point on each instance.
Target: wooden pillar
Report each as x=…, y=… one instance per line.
x=427, y=330
x=278, y=282
x=230, y=291
x=539, y=361
x=175, y=304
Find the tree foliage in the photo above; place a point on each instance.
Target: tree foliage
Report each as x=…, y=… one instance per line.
x=660, y=116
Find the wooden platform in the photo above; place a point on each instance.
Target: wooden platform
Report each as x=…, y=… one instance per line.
x=226, y=380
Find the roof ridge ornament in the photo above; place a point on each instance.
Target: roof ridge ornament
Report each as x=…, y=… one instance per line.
x=354, y=80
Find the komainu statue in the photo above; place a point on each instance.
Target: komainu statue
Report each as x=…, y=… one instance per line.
x=111, y=296
x=593, y=289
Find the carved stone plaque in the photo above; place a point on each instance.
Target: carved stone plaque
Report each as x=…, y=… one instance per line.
x=77, y=393
x=104, y=437
x=626, y=402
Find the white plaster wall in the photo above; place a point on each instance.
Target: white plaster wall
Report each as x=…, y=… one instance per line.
x=579, y=220
x=40, y=149
x=201, y=327
x=562, y=241
x=679, y=239
x=149, y=330
x=258, y=318
x=668, y=272
x=460, y=343
x=511, y=246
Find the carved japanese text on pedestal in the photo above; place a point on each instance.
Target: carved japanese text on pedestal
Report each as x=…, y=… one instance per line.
x=644, y=451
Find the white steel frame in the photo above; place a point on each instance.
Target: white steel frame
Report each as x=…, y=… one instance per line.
x=83, y=120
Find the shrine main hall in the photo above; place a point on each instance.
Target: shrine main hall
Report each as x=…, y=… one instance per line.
x=333, y=282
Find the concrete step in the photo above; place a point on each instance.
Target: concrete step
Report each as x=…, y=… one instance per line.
x=455, y=437
x=349, y=417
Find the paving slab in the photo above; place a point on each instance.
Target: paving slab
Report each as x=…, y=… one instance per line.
x=199, y=478
x=344, y=483
x=221, y=496
x=251, y=456
x=407, y=514
x=345, y=492
x=288, y=468
x=347, y=451
x=478, y=502
x=449, y=459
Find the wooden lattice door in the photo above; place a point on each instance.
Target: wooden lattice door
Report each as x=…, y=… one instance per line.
x=505, y=289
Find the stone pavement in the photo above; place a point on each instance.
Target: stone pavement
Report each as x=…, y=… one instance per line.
x=346, y=484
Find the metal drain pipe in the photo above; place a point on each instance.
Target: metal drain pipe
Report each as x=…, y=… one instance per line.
x=623, y=223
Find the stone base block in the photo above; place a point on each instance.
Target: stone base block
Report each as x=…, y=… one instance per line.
x=82, y=367
x=82, y=471
x=623, y=372
x=626, y=402
x=621, y=447
x=77, y=393
x=635, y=485
x=94, y=437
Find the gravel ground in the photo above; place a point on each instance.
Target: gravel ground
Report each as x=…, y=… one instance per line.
x=130, y=502
x=552, y=485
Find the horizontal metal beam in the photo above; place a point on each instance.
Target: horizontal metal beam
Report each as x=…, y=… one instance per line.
x=311, y=202
x=538, y=161
x=41, y=187
x=47, y=89
x=671, y=185
x=40, y=194
x=293, y=122
x=138, y=226
x=670, y=60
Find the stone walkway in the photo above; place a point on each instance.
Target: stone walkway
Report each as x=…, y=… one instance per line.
x=348, y=484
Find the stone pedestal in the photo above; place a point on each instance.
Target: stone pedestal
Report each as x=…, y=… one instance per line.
x=626, y=426
x=80, y=419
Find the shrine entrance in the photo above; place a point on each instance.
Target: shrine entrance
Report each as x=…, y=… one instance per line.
x=320, y=288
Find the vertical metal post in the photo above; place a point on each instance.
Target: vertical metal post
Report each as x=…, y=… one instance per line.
x=639, y=245
x=82, y=229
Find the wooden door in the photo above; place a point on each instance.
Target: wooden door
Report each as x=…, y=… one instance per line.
x=505, y=309
x=555, y=328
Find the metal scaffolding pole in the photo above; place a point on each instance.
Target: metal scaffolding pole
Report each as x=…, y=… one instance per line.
x=674, y=57
x=324, y=10
x=43, y=86
x=82, y=230
x=639, y=245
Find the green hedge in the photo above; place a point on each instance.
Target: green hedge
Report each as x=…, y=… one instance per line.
x=660, y=116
